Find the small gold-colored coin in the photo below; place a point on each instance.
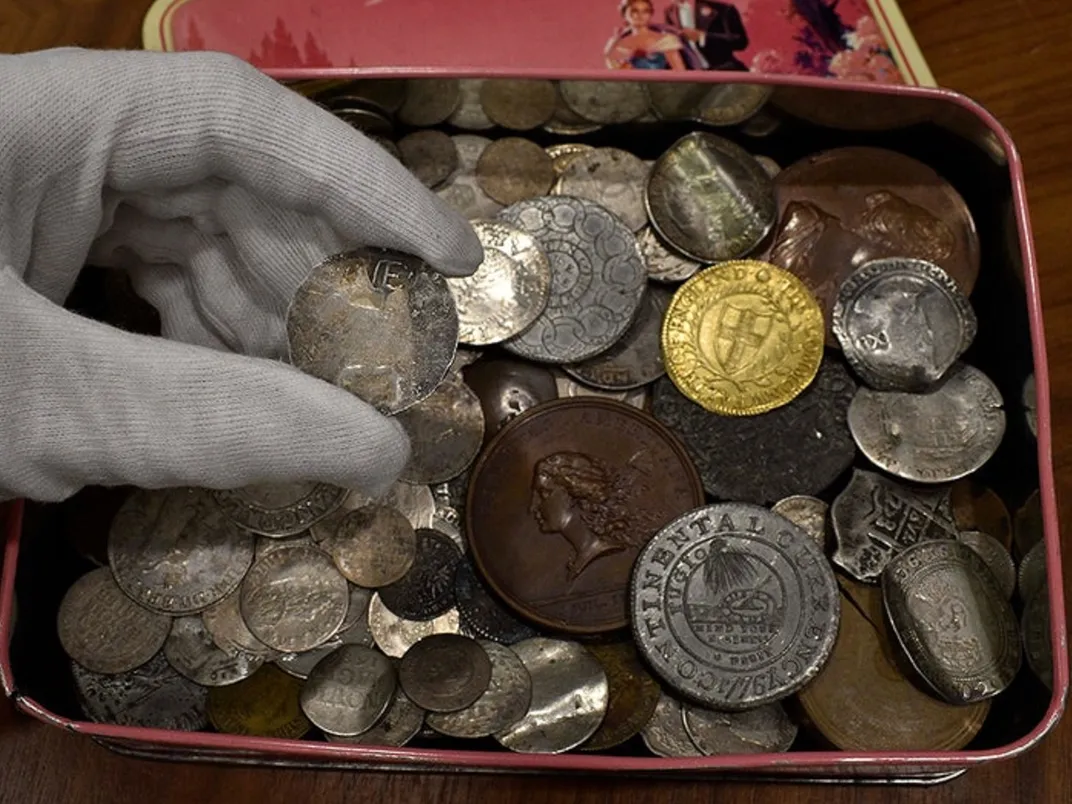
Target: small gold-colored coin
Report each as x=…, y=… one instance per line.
x=633, y=695
x=264, y=705
x=742, y=337
x=562, y=153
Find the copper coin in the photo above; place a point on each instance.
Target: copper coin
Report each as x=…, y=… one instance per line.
x=563, y=499
x=513, y=169
x=633, y=695
x=844, y=207
x=976, y=507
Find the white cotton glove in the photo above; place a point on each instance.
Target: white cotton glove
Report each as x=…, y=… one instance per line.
x=218, y=190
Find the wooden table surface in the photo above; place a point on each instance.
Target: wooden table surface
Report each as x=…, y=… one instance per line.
x=1015, y=58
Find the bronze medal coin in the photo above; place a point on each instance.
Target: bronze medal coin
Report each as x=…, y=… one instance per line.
x=563, y=499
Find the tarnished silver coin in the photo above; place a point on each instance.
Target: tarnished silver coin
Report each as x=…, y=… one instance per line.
x=514, y=168
x=613, y=178
x=562, y=153
x=937, y=436
x=951, y=620
x=378, y=323
x=763, y=730
x=508, y=290
x=429, y=101
x=710, y=199
x=482, y=613
x=734, y=606
x=445, y=430
x=663, y=264
x=995, y=556
x=430, y=155
x=373, y=546
x=597, y=278
x=1038, y=645
x=224, y=623
x=105, y=631
x=569, y=697
x=462, y=191
x=266, y=544
x=565, y=122
x=354, y=631
x=402, y=721
x=811, y=514
x=570, y=388
x=294, y=599
x=519, y=104
x=395, y=635
x=1029, y=401
x=665, y=734
x=605, y=101
x=507, y=388
x=636, y=359
x=902, y=323
x=349, y=690
x=279, y=509
x=174, y=551
x=445, y=672
x=503, y=703
x=1031, y=578
x=470, y=113
x=714, y=104
x=875, y=518
x=426, y=591
x=152, y=696
x=191, y=651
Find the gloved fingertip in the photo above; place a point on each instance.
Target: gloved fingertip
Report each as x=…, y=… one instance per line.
x=456, y=250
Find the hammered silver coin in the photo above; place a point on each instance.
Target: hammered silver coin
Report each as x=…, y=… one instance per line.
x=663, y=264
x=462, y=190
x=710, y=199
x=604, y=101
x=224, y=623
x=377, y=323
x=470, y=113
x=1031, y=578
x=810, y=514
x=504, y=702
x=569, y=388
x=507, y=388
x=191, y=650
x=937, y=436
x=373, y=546
x=414, y=502
x=902, y=323
x=277, y=510
x=569, y=697
x=426, y=591
x=597, y=278
x=611, y=177
x=764, y=730
x=445, y=672
x=294, y=599
x=664, y=734
x=354, y=631
x=402, y=721
x=734, y=606
x=174, y=551
x=951, y=620
x=266, y=544
x=445, y=429
x=997, y=559
x=1038, y=645
x=395, y=635
x=349, y=690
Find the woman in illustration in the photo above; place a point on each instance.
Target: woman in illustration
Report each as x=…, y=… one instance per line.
x=642, y=45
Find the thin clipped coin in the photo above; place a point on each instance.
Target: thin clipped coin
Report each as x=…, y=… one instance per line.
x=402, y=721
x=604, y=101
x=611, y=177
x=663, y=264
x=470, y=113
x=996, y=558
x=349, y=690
x=462, y=190
x=518, y=104
x=190, y=650
x=445, y=672
x=503, y=704
x=513, y=168
x=483, y=614
x=278, y=510
x=664, y=734
x=763, y=730
x=395, y=635
x=811, y=514
x=430, y=155
x=429, y=101
x=632, y=695
x=264, y=705
x=426, y=591
x=445, y=429
x=373, y=546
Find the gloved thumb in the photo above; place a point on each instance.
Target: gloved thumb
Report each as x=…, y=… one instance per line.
x=83, y=403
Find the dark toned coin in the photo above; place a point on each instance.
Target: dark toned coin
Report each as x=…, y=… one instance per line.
x=564, y=498
x=507, y=388
x=800, y=448
x=1027, y=526
x=431, y=155
x=518, y=104
x=977, y=507
x=429, y=101
x=481, y=613
x=445, y=672
x=427, y=590
x=633, y=695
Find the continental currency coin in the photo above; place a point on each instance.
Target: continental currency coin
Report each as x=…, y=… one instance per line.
x=714, y=104
x=664, y=734
x=610, y=177
x=190, y=650
x=509, y=289
x=426, y=591
x=445, y=430
x=354, y=631
x=937, y=436
x=977, y=507
x=503, y=703
x=373, y=546
x=518, y=104
x=565, y=122
x=174, y=551
x=569, y=388
x=462, y=191
x=513, y=168
x=810, y=514
x=507, y=388
x=429, y=101
x=569, y=697
x=445, y=672
x=597, y=278
x=996, y=558
x=876, y=518
x=561, y=502
x=742, y=338
x=279, y=509
x=105, y=631
x=380, y=324
x=710, y=199
x=734, y=606
x=1038, y=648
x=604, y=101
x=395, y=635
x=224, y=624
x=152, y=696
x=799, y=448
x=402, y=721
x=1031, y=578
x=470, y=113
x=562, y=153
x=950, y=619
x=349, y=690
x=264, y=705
x=430, y=155
x=902, y=323
x=632, y=695
x=294, y=599
x=1027, y=525
x=663, y=264
x=766, y=729
x=483, y=614
x=1029, y=401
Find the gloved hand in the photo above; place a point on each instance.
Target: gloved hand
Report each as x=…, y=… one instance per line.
x=218, y=190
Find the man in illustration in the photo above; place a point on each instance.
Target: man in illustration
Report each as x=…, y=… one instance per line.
x=716, y=29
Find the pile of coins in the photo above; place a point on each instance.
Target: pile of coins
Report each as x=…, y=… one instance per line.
x=693, y=462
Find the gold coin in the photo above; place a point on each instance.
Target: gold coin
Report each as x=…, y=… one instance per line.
x=563, y=153
x=742, y=337
x=264, y=705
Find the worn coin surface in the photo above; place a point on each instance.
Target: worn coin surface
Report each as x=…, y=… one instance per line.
x=569, y=697
x=664, y=734
x=190, y=650
x=266, y=544
x=597, y=278
x=518, y=104
x=611, y=177
x=569, y=388
x=995, y=556
x=663, y=264
x=513, y=168
x=769, y=165
x=445, y=430
x=977, y=507
x=562, y=153
x=378, y=323
x=507, y=388
x=277, y=510
x=429, y=101
x=430, y=155
x=470, y=113
x=462, y=191
x=714, y=104
x=811, y=514
x=426, y=591
x=937, y=436
x=174, y=551
x=567, y=123
x=402, y=721
x=228, y=630
x=366, y=119
x=414, y=502
x=1038, y=647
x=631, y=698
x=734, y=606
x=264, y=705
x=105, y=631
x=445, y=672
x=765, y=729
x=1031, y=578
x=349, y=690
x=605, y=101
x=373, y=546
x=710, y=199
x=481, y=613
x=354, y=631
x=902, y=323
x=503, y=703
x=395, y=635
x=564, y=498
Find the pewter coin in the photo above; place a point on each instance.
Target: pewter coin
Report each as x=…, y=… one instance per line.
x=734, y=606
x=605, y=101
x=875, y=518
x=426, y=591
x=710, y=199
x=445, y=430
x=445, y=672
x=349, y=690
x=562, y=153
x=570, y=388
x=996, y=558
x=518, y=104
x=902, y=323
x=482, y=613
x=224, y=623
x=811, y=514
x=395, y=635
x=1028, y=400
x=503, y=704
x=190, y=650
x=1031, y=579
x=665, y=734
x=174, y=551
x=663, y=264
x=354, y=631
x=294, y=599
x=470, y=114
x=429, y=101
x=104, y=630
x=430, y=155
x=1038, y=647
x=279, y=509
x=597, y=278
x=402, y=721
x=462, y=191
x=507, y=388
x=938, y=436
x=763, y=730
x=612, y=178
x=513, y=168
x=373, y=546
x=378, y=323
